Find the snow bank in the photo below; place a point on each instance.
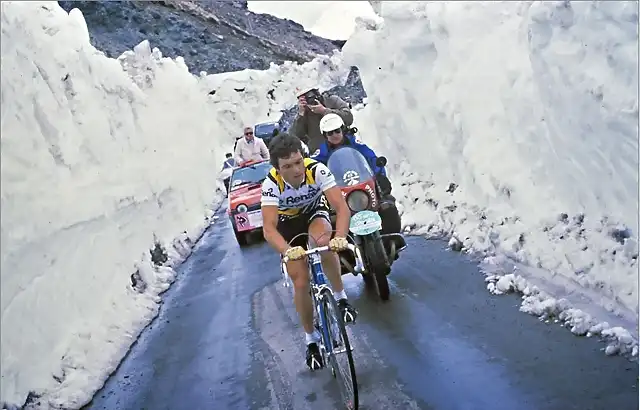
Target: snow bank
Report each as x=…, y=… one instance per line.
x=99, y=157
x=513, y=127
x=329, y=19
x=272, y=91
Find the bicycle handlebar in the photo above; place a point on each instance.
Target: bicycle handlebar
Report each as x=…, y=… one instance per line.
x=320, y=249
x=356, y=252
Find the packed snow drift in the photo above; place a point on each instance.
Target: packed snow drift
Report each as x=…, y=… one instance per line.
x=334, y=20
x=513, y=128
x=100, y=159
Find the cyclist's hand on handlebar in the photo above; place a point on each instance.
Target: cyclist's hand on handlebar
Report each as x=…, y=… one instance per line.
x=295, y=253
x=338, y=244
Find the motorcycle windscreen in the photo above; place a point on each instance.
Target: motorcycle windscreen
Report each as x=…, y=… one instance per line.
x=349, y=167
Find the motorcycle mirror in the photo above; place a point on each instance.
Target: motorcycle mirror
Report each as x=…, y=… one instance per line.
x=381, y=161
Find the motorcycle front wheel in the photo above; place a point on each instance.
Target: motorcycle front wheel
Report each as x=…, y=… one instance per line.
x=377, y=265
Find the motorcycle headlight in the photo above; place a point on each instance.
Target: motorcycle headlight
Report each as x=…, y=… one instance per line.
x=358, y=201
x=241, y=208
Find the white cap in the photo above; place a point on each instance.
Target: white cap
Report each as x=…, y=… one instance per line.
x=304, y=89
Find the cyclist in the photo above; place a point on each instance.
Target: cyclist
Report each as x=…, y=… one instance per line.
x=296, y=196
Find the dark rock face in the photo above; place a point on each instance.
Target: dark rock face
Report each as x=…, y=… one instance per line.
x=211, y=36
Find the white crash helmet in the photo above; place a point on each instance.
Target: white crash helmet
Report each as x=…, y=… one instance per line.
x=331, y=122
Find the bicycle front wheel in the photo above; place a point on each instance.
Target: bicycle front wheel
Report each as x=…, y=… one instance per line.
x=340, y=356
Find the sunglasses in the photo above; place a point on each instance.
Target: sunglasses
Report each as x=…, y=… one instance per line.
x=248, y=133
x=336, y=131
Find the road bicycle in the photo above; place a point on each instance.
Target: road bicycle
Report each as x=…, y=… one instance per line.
x=329, y=321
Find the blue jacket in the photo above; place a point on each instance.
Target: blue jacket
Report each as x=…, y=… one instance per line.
x=324, y=152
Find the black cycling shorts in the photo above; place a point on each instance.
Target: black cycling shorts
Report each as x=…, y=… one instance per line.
x=289, y=227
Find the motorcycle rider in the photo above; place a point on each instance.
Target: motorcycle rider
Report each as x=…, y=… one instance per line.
x=337, y=135
x=311, y=107
x=296, y=196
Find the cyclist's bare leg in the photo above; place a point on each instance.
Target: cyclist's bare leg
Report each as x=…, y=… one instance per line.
x=320, y=232
x=299, y=274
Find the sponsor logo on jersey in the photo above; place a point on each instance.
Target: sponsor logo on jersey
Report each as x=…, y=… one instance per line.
x=269, y=193
x=311, y=194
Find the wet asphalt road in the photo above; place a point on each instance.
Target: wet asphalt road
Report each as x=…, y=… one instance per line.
x=228, y=337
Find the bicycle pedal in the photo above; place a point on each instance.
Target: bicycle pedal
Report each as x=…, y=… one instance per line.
x=315, y=364
x=348, y=318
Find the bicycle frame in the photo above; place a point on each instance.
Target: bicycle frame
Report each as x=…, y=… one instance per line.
x=319, y=283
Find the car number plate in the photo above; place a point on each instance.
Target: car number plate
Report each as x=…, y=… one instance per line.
x=255, y=218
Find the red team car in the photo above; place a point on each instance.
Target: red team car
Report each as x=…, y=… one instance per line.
x=244, y=198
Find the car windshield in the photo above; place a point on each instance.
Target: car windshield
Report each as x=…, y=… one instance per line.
x=252, y=174
x=265, y=130
x=349, y=167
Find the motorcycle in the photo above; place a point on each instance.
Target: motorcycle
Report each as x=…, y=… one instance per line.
x=360, y=188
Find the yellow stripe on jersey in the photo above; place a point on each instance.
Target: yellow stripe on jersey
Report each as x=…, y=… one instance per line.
x=310, y=166
x=276, y=178
x=310, y=179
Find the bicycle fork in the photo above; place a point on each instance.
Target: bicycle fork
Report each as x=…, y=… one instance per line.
x=318, y=286
x=331, y=344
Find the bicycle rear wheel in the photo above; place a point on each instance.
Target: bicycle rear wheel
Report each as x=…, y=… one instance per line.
x=341, y=357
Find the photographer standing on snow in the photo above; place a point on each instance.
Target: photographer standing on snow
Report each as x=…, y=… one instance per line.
x=312, y=106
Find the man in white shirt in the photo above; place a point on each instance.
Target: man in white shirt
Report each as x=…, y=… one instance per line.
x=250, y=148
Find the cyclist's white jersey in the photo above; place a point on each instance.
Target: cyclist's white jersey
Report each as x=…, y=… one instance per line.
x=292, y=202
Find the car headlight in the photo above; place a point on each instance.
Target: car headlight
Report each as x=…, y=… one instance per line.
x=358, y=201
x=241, y=208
